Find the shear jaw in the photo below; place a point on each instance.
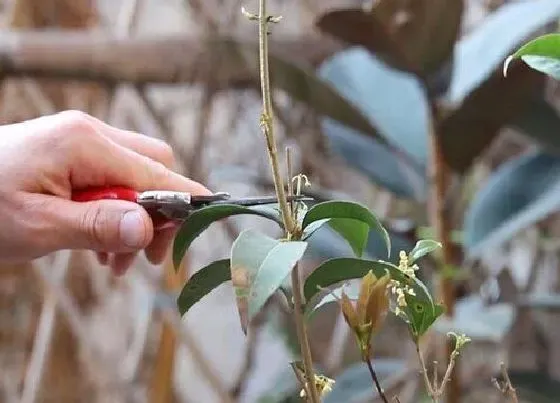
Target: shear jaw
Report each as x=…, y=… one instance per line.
x=176, y=205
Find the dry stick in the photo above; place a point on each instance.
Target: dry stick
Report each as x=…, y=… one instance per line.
x=443, y=233
x=506, y=387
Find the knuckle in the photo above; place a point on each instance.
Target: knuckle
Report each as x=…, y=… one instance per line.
x=78, y=121
x=157, y=171
x=95, y=224
x=167, y=154
x=161, y=151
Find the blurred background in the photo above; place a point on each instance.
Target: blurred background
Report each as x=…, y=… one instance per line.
x=358, y=96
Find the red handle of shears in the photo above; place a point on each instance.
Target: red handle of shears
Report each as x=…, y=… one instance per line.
x=120, y=193
x=105, y=193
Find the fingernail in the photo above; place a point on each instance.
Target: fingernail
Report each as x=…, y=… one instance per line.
x=132, y=229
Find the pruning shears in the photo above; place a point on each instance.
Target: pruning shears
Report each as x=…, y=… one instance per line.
x=167, y=208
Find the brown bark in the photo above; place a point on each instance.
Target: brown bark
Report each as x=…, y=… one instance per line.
x=440, y=175
x=83, y=56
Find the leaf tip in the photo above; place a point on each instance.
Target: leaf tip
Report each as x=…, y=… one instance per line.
x=507, y=63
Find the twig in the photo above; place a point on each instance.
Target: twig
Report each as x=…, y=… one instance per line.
x=267, y=118
x=267, y=123
x=506, y=387
x=439, y=219
x=302, y=335
x=375, y=380
x=424, y=370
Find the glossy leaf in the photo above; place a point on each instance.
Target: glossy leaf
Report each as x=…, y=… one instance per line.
x=352, y=290
x=297, y=80
x=542, y=54
x=248, y=252
x=357, y=27
x=420, y=317
x=277, y=266
x=518, y=194
x=422, y=45
x=201, y=219
x=483, y=99
x=429, y=36
x=354, y=231
x=336, y=270
x=466, y=132
x=422, y=248
x=348, y=211
x=473, y=318
x=202, y=283
x=327, y=244
x=482, y=52
x=540, y=121
x=382, y=93
x=377, y=162
x=259, y=265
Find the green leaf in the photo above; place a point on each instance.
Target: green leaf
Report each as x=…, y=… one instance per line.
x=422, y=248
x=542, y=54
x=277, y=265
x=351, y=290
x=517, y=195
x=354, y=231
x=357, y=74
x=540, y=122
x=483, y=100
x=347, y=210
x=201, y=219
x=327, y=244
x=482, y=52
x=299, y=81
x=259, y=265
x=422, y=46
x=356, y=27
x=420, y=317
x=202, y=283
x=336, y=270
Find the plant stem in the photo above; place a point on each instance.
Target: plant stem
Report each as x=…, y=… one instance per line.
x=302, y=336
x=440, y=220
x=289, y=223
x=375, y=380
x=424, y=370
x=267, y=119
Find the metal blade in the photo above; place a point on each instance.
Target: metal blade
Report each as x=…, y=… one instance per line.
x=255, y=201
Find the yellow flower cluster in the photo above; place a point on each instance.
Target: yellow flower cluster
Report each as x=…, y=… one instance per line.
x=323, y=384
x=401, y=290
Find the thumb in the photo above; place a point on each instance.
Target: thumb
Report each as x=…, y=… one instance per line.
x=106, y=225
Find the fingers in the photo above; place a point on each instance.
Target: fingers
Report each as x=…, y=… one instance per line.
x=100, y=155
x=150, y=147
x=120, y=262
x=157, y=250
x=110, y=226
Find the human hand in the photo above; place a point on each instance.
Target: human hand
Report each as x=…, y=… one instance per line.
x=43, y=160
